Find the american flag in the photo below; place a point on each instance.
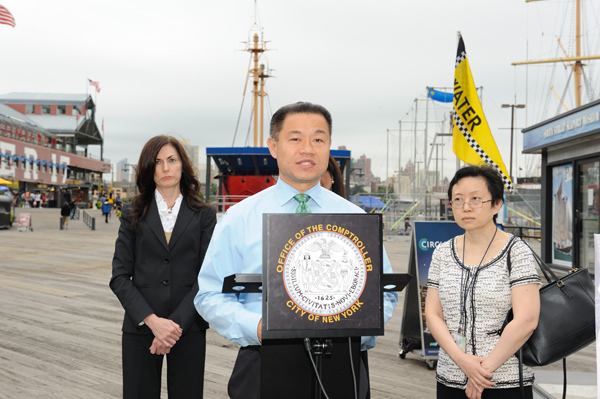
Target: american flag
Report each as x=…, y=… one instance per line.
x=77, y=116
x=95, y=84
x=6, y=17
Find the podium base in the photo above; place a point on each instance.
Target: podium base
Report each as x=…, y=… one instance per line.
x=286, y=370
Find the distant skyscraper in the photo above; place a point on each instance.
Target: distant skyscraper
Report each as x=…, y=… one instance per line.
x=122, y=171
x=193, y=152
x=362, y=169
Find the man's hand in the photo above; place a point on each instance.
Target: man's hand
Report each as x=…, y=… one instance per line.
x=166, y=334
x=259, y=331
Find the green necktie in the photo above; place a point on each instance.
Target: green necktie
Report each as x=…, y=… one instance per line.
x=302, y=206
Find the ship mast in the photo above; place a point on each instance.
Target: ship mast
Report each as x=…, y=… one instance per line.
x=577, y=68
x=259, y=73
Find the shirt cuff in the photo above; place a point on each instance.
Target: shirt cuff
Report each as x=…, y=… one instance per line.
x=248, y=323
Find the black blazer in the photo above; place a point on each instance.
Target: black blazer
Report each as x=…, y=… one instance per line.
x=151, y=276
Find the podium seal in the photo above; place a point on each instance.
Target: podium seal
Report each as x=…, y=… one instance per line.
x=325, y=274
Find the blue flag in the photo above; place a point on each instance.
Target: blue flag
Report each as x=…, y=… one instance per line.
x=440, y=96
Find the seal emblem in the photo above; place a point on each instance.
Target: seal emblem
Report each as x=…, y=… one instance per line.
x=324, y=273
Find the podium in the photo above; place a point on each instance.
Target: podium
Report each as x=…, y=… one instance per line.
x=322, y=289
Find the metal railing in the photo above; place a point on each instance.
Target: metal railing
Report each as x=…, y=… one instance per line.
x=89, y=220
x=77, y=212
x=524, y=231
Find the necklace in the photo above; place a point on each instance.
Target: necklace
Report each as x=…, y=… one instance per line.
x=170, y=208
x=469, y=283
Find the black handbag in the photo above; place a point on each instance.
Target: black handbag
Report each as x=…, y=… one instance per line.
x=567, y=318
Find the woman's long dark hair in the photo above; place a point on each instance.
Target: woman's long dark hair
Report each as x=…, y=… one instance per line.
x=189, y=184
x=336, y=175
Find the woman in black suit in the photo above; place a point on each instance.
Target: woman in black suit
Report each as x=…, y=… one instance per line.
x=163, y=238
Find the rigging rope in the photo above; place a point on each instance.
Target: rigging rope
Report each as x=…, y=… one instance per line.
x=238, y=122
x=243, y=98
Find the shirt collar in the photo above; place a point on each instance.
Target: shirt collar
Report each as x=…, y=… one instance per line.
x=162, y=204
x=285, y=192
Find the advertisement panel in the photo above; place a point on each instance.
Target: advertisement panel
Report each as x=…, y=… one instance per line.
x=427, y=236
x=562, y=219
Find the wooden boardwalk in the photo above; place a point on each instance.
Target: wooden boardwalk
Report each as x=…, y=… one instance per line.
x=60, y=323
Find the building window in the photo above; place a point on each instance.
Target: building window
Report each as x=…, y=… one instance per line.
x=76, y=110
x=45, y=109
x=61, y=109
x=29, y=109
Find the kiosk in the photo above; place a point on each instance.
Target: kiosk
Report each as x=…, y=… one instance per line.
x=570, y=148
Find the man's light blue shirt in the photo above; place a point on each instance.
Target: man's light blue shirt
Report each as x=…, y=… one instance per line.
x=236, y=247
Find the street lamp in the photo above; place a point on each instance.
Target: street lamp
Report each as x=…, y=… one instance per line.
x=512, y=123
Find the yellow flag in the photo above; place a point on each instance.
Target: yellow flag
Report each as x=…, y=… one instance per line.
x=472, y=139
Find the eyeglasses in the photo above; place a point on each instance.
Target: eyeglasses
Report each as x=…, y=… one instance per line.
x=475, y=203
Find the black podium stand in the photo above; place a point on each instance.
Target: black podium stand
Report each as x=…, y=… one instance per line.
x=286, y=370
x=322, y=289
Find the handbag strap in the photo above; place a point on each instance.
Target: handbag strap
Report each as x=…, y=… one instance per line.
x=543, y=266
x=520, y=356
x=548, y=273
x=565, y=378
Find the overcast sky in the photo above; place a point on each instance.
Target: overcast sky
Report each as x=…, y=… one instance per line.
x=174, y=66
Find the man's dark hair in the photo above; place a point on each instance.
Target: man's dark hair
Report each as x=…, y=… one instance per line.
x=489, y=174
x=297, y=108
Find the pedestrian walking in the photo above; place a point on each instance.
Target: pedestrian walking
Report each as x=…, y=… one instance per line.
x=65, y=210
x=106, y=208
x=72, y=206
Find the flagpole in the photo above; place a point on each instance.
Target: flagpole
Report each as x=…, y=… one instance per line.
x=399, y=154
x=415, y=153
x=425, y=164
x=458, y=35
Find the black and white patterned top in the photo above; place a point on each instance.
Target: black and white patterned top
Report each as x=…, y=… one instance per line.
x=487, y=304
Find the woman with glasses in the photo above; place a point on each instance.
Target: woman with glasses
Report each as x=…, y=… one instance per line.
x=471, y=288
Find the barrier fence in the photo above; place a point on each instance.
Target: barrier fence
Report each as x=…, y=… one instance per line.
x=522, y=217
x=89, y=220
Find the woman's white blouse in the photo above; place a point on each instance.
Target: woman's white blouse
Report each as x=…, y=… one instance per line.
x=167, y=219
x=487, y=305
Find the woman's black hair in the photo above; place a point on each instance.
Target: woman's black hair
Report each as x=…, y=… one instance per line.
x=492, y=179
x=189, y=184
x=336, y=175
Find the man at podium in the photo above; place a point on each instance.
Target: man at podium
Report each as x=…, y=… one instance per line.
x=300, y=140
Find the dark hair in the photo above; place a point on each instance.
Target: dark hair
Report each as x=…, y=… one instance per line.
x=297, y=108
x=336, y=175
x=492, y=179
x=189, y=184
